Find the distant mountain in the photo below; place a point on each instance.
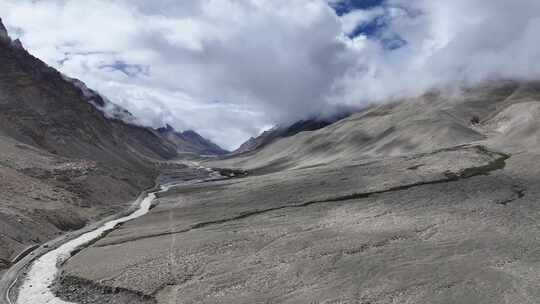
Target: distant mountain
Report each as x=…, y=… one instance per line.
x=277, y=132
x=191, y=142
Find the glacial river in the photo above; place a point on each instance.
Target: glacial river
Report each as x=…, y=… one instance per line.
x=43, y=271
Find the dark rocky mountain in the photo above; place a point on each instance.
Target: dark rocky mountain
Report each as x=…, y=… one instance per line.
x=67, y=154
x=39, y=106
x=191, y=142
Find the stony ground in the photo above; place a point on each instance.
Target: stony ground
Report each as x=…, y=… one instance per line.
x=415, y=229
x=392, y=205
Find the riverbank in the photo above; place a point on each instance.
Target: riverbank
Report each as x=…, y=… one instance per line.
x=12, y=278
x=72, y=290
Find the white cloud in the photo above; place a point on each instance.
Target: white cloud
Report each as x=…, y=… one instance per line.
x=225, y=68
x=358, y=17
x=448, y=43
x=228, y=68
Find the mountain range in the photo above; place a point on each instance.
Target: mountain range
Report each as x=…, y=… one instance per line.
x=424, y=199
x=69, y=155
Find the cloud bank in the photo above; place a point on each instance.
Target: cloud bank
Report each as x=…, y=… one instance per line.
x=230, y=68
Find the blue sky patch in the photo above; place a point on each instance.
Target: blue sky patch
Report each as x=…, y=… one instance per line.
x=374, y=29
x=369, y=29
x=346, y=6
x=393, y=42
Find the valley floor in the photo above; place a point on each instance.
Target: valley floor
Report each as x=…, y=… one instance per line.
x=456, y=225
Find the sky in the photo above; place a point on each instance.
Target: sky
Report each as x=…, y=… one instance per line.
x=231, y=68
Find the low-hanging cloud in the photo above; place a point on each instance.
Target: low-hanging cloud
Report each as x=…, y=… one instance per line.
x=229, y=68
x=459, y=42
